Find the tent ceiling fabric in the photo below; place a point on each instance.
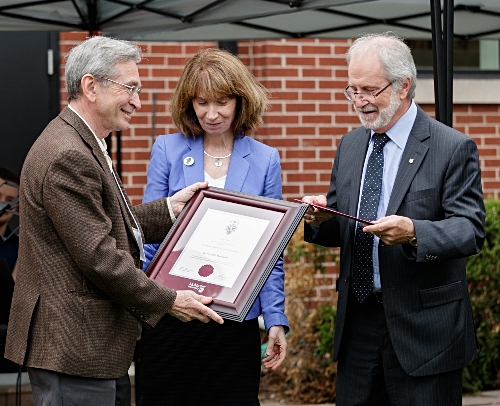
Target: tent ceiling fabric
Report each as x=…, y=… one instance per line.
x=194, y=20
x=408, y=18
x=130, y=18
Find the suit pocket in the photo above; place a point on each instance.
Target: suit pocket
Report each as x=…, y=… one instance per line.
x=419, y=194
x=442, y=294
x=92, y=295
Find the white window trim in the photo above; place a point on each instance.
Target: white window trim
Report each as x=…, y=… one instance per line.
x=465, y=91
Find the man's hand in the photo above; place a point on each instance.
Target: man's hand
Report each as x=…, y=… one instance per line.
x=179, y=200
x=189, y=306
x=313, y=215
x=276, y=348
x=392, y=229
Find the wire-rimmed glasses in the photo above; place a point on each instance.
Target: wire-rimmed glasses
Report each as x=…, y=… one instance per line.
x=369, y=97
x=133, y=91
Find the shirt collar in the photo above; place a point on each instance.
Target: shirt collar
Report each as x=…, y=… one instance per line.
x=101, y=143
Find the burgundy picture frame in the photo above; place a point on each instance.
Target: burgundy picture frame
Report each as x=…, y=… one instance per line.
x=232, y=303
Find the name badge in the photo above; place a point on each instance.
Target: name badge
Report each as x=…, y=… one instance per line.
x=138, y=238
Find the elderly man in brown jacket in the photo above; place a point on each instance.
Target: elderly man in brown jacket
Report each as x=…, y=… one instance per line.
x=80, y=292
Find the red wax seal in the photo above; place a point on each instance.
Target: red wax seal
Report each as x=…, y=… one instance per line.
x=206, y=270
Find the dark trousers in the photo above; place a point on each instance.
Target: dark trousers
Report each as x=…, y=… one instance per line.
x=369, y=372
x=55, y=389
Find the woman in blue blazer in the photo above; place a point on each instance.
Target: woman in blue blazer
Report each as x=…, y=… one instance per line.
x=216, y=101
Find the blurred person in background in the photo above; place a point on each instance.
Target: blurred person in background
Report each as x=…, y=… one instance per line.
x=9, y=246
x=9, y=241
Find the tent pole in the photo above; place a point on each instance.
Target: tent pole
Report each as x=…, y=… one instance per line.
x=92, y=17
x=448, y=52
x=437, y=63
x=230, y=46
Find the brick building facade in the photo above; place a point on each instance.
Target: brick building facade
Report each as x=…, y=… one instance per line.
x=308, y=116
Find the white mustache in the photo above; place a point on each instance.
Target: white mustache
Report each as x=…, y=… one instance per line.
x=366, y=108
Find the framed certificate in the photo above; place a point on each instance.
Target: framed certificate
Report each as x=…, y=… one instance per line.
x=225, y=245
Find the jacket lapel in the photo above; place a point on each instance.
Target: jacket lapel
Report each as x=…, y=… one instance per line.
x=355, y=159
x=195, y=172
x=83, y=130
x=412, y=158
x=238, y=165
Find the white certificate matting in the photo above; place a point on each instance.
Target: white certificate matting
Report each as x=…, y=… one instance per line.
x=219, y=247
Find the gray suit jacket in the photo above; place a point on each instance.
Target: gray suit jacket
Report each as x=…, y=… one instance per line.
x=80, y=290
x=426, y=301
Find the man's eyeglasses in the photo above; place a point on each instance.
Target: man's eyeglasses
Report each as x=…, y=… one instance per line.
x=133, y=91
x=369, y=97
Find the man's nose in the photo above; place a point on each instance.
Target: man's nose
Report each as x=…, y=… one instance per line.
x=360, y=101
x=136, y=102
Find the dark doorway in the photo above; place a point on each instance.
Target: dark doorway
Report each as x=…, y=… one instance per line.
x=29, y=96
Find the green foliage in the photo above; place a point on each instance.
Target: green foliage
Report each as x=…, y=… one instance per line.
x=325, y=329
x=308, y=373
x=484, y=287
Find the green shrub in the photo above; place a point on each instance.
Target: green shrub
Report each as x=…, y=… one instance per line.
x=484, y=287
x=308, y=373
x=325, y=329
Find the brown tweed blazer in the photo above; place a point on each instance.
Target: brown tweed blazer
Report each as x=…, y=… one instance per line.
x=80, y=291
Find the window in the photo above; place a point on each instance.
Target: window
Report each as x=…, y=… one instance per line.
x=470, y=57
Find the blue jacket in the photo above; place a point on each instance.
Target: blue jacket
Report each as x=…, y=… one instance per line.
x=254, y=168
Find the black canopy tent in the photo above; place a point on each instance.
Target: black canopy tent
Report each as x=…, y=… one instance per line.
x=136, y=17
x=188, y=20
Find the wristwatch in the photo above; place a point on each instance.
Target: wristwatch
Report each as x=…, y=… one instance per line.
x=413, y=241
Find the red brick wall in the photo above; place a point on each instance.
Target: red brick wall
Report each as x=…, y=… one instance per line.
x=309, y=112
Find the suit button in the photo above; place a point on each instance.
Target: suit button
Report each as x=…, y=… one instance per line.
x=346, y=279
x=135, y=255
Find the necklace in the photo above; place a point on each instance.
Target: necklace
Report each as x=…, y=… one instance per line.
x=218, y=159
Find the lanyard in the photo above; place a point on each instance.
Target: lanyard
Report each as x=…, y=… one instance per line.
x=137, y=233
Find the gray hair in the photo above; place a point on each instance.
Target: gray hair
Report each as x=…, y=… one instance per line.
x=98, y=57
x=394, y=55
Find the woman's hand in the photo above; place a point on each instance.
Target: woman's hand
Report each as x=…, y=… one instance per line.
x=276, y=348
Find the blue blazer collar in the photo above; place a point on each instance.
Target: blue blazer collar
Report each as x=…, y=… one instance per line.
x=238, y=165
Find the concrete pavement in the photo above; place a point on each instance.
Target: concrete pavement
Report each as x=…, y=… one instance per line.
x=487, y=398
x=8, y=382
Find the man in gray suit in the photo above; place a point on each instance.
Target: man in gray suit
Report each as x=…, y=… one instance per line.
x=404, y=327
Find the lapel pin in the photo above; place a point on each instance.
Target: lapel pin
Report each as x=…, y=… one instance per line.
x=188, y=161
x=411, y=160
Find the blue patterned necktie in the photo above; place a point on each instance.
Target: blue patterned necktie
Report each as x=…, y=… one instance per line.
x=368, y=207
